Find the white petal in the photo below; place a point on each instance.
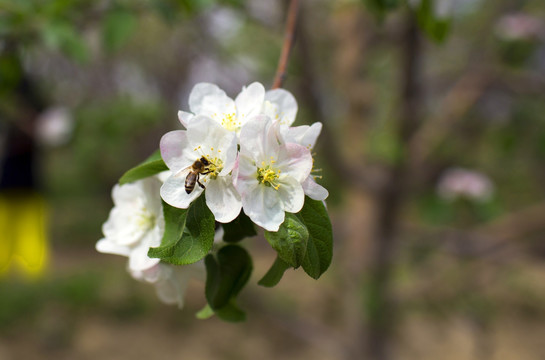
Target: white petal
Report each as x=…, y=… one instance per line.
x=139, y=260
x=171, y=288
x=244, y=174
x=108, y=247
x=208, y=99
x=164, y=175
x=249, y=101
x=314, y=190
x=291, y=194
x=286, y=103
x=174, y=194
x=152, y=199
x=126, y=194
x=258, y=138
x=172, y=147
x=185, y=118
x=122, y=226
x=223, y=199
x=263, y=207
x=303, y=135
x=309, y=138
x=295, y=160
x=208, y=138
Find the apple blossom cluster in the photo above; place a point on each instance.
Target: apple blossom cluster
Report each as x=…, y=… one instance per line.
x=253, y=167
x=269, y=175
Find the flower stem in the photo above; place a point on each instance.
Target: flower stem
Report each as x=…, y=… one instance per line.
x=289, y=37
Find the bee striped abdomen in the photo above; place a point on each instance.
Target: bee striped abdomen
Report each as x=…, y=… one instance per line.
x=190, y=181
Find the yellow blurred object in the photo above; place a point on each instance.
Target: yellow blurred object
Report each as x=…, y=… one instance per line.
x=23, y=233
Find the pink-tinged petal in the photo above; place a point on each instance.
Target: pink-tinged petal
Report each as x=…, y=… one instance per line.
x=285, y=103
x=250, y=101
x=296, y=161
x=172, y=147
x=291, y=194
x=263, y=207
x=174, y=194
x=108, y=247
x=314, y=190
x=208, y=99
x=185, y=118
x=223, y=199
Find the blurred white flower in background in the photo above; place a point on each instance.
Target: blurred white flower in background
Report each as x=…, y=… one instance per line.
x=457, y=183
x=223, y=23
x=55, y=126
x=520, y=27
x=134, y=225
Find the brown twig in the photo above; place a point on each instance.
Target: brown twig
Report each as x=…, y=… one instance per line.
x=289, y=37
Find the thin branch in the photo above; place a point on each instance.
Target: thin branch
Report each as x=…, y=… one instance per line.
x=289, y=37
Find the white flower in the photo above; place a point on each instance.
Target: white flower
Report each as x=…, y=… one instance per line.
x=209, y=100
x=306, y=136
x=269, y=174
x=204, y=138
x=280, y=105
x=459, y=182
x=135, y=223
x=171, y=281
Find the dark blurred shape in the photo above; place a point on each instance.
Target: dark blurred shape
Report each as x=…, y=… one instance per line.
x=22, y=208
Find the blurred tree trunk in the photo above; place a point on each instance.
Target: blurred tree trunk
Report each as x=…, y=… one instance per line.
x=381, y=312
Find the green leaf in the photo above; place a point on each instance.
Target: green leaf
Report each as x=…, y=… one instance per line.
x=117, y=27
x=319, y=251
x=231, y=312
x=205, y=313
x=238, y=229
x=290, y=241
x=226, y=276
x=61, y=35
x=275, y=273
x=189, y=234
x=381, y=7
x=151, y=166
x=437, y=28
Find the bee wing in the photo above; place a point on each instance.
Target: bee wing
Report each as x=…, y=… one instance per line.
x=182, y=174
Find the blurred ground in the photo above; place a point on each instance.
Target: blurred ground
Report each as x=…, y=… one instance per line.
x=89, y=308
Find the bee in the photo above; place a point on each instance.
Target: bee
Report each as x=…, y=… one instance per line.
x=198, y=168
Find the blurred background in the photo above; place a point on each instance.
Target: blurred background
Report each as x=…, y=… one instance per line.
x=433, y=152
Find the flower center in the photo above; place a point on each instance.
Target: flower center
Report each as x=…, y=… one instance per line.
x=268, y=176
x=146, y=220
x=214, y=167
x=229, y=122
